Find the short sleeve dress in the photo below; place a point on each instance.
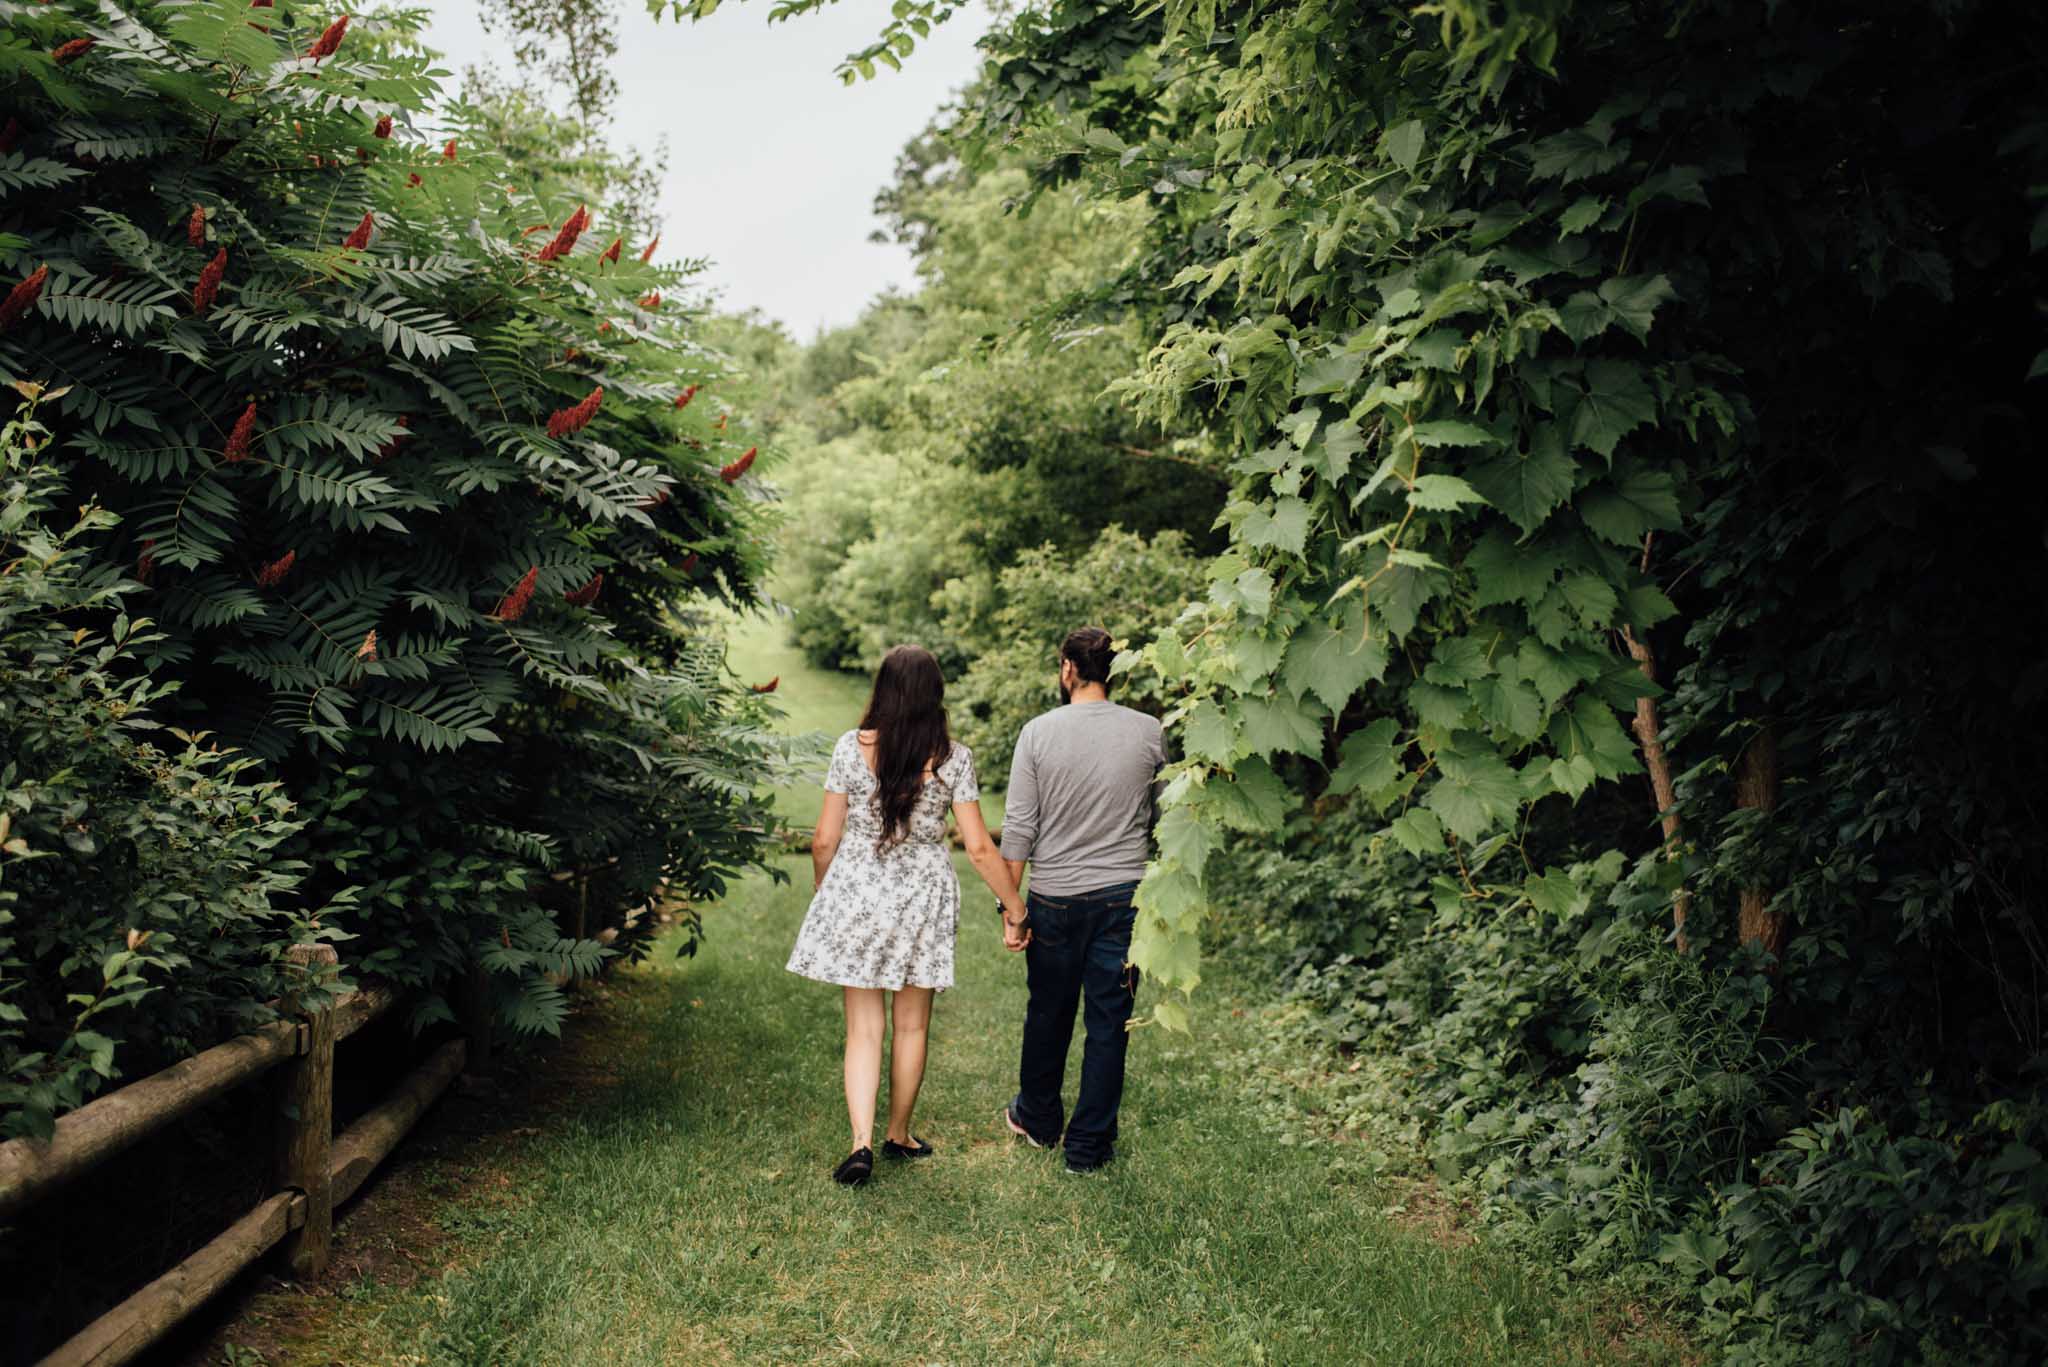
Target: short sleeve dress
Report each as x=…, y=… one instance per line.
x=887, y=919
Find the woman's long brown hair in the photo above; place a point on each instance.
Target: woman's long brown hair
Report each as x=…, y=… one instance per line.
x=907, y=713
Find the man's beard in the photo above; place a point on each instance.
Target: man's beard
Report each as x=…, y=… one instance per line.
x=1066, y=695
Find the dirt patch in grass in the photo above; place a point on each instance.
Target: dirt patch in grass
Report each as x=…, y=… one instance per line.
x=471, y=1152
x=1421, y=1205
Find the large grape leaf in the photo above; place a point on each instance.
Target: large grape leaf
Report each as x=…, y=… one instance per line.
x=1615, y=400
x=1252, y=798
x=1503, y=572
x=1475, y=792
x=1334, y=659
x=1280, y=724
x=1528, y=487
x=1635, y=501
x=1370, y=759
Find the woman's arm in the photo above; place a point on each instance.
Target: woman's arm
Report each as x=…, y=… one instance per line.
x=825, y=840
x=987, y=859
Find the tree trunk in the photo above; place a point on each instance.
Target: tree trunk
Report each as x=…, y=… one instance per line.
x=1756, y=785
x=1646, y=726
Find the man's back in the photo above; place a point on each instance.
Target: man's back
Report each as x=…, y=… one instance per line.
x=1079, y=806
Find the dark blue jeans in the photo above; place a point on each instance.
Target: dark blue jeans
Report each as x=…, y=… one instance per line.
x=1077, y=953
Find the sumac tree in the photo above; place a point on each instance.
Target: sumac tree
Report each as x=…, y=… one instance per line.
x=389, y=423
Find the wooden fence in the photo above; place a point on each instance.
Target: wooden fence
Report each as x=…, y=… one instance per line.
x=314, y=1169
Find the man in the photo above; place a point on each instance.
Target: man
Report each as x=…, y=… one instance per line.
x=1079, y=813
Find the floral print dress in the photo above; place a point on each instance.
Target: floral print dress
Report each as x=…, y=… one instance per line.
x=887, y=919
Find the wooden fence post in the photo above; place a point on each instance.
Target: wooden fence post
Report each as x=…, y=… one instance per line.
x=305, y=1095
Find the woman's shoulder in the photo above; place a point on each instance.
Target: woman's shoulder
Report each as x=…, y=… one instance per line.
x=957, y=756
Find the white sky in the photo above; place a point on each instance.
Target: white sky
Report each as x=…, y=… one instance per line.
x=773, y=165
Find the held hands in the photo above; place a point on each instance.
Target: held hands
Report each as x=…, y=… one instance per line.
x=1016, y=934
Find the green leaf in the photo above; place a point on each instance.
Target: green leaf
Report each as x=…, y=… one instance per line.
x=1459, y=660
x=1591, y=730
x=1331, y=374
x=1437, y=349
x=1418, y=831
x=1255, y=656
x=1504, y=572
x=1333, y=660
x=1251, y=799
x=1531, y=486
x=1475, y=792
x=1556, y=895
x=1255, y=590
x=1280, y=724
x=1399, y=596
x=1682, y=183
x=1402, y=143
x=1576, y=154
x=1615, y=401
x=1282, y=526
x=1208, y=734
x=1331, y=457
x=1583, y=214
x=1442, y=493
x=1573, y=776
x=1553, y=673
x=1585, y=315
x=1591, y=598
x=1510, y=705
x=1646, y=605
x=1185, y=838
x=1438, y=706
x=1453, y=432
x=1635, y=501
x=98, y=1051
x=1369, y=759
x=1634, y=300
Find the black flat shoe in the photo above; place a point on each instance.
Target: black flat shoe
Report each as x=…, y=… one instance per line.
x=855, y=1170
x=917, y=1148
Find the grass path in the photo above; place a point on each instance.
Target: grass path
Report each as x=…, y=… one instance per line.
x=679, y=1211
x=684, y=1214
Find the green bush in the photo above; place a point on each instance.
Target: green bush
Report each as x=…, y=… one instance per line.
x=873, y=534
x=1118, y=580
x=144, y=902
x=403, y=474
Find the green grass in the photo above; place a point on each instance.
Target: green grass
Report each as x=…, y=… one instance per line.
x=679, y=1208
x=684, y=1212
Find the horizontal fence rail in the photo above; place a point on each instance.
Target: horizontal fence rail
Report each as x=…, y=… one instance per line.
x=314, y=1170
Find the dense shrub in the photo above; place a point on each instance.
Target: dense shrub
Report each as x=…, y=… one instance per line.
x=872, y=536
x=962, y=446
x=161, y=849
x=1585, y=368
x=404, y=475
x=1634, y=1114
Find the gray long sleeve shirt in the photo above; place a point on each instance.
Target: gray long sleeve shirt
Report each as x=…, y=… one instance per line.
x=1079, y=808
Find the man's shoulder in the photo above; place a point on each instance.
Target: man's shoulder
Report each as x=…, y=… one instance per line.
x=1143, y=724
x=1089, y=721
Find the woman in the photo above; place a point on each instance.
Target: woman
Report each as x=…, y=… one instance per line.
x=887, y=902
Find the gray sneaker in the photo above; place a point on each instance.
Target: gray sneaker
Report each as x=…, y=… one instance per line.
x=1019, y=1130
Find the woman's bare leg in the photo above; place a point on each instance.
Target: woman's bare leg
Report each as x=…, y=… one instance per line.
x=913, y=1019
x=864, y=1015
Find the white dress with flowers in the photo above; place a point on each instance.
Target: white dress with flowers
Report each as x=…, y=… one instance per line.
x=887, y=919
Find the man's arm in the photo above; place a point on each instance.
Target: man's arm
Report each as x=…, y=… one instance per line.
x=1020, y=806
